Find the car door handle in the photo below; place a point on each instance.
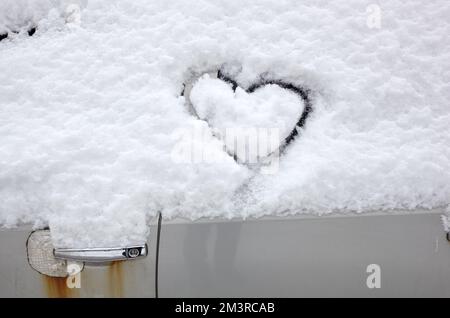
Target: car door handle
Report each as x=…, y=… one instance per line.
x=93, y=255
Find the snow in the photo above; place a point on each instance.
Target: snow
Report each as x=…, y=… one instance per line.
x=91, y=112
x=270, y=108
x=22, y=15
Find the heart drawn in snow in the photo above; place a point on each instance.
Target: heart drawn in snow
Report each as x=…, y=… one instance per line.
x=266, y=114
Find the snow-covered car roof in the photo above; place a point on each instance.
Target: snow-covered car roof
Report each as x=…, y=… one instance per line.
x=91, y=114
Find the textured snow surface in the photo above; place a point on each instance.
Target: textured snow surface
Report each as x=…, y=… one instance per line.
x=270, y=107
x=90, y=114
x=21, y=15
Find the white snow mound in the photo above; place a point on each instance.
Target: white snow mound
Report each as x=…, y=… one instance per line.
x=90, y=114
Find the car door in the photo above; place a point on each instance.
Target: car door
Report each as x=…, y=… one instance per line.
x=375, y=255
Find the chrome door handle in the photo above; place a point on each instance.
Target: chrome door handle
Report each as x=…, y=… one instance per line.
x=94, y=255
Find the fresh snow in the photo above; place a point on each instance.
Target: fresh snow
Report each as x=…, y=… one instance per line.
x=21, y=15
x=270, y=108
x=91, y=112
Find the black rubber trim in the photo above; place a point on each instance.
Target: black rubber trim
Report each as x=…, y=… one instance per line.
x=158, y=237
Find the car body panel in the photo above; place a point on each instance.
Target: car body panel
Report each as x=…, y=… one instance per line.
x=306, y=257
x=267, y=257
x=134, y=278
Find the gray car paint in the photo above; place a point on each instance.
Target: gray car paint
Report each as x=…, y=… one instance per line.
x=268, y=257
x=306, y=257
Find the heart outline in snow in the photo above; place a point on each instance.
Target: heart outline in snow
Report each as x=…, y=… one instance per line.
x=303, y=93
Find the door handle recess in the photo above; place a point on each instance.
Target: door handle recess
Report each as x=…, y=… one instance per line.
x=55, y=262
